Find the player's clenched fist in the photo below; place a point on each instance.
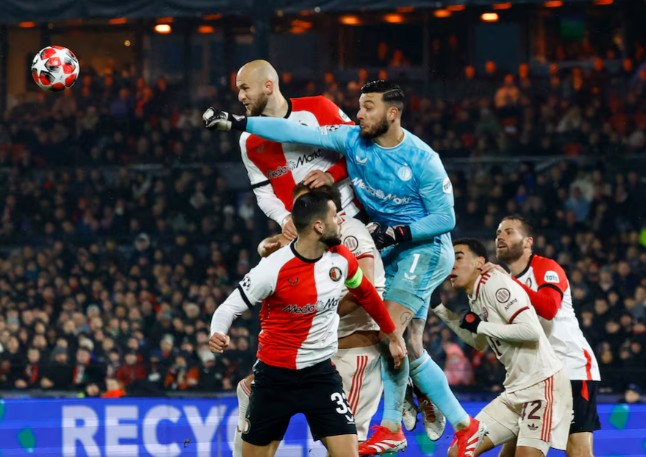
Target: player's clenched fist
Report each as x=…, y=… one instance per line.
x=221, y=120
x=218, y=342
x=397, y=348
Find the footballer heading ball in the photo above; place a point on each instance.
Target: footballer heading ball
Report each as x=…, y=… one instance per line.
x=55, y=68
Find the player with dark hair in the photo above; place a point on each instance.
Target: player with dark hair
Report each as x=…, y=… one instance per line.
x=549, y=291
x=405, y=190
x=358, y=359
x=299, y=287
x=536, y=406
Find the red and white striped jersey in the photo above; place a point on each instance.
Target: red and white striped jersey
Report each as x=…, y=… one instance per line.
x=299, y=297
x=499, y=300
x=563, y=331
x=355, y=236
x=275, y=168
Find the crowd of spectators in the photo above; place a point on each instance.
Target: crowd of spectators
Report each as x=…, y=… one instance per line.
x=109, y=273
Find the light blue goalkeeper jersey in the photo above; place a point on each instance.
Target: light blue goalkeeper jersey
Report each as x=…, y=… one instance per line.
x=406, y=184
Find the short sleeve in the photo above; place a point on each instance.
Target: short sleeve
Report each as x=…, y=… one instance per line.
x=548, y=273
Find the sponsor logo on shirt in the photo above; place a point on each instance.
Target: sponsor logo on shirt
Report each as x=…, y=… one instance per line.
x=551, y=276
x=378, y=193
x=343, y=115
x=310, y=308
x=335, y=274
x=405, y=173
x=293, y=164
x=359, y=160
x=511, y=303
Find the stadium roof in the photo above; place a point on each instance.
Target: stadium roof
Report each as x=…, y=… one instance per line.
x=15, y=11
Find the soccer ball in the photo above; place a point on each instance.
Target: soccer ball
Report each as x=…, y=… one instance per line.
x=55, y=68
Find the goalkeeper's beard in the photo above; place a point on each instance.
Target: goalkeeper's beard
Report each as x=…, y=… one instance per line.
x=379, y=129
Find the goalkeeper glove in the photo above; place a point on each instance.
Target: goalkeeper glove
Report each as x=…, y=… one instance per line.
x=470, y=322
x=387, y=236
x=221, y=120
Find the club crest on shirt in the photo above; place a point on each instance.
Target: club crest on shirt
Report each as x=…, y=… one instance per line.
x=484, y=313
x=293, y=281
x=350, y=242
x=405, y=173
x=503, y=295
x=335, y=274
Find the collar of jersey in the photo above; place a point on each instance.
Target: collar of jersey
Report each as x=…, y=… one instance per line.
x=394, y=147
x=292, y=246
x=529, y=264
x=289, y=109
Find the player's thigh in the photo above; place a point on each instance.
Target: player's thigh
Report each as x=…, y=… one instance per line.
x=415, y=270
x=251, y=450
x=248, y=381
x=584, y=407
x=546, y=413
x=341, y=445
x=501, y=419
x=360, y=370
x=270, y=405
x=324, y=403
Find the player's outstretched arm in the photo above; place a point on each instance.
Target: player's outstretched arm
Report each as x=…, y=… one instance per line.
x=452, y=320
x=522, y=329
x=330, y=137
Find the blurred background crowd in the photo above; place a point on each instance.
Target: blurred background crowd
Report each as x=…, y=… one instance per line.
x=124, y=223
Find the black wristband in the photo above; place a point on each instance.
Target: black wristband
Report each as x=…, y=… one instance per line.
x=238, y=122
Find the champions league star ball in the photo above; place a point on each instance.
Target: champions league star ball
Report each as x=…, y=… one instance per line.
x=55, y=68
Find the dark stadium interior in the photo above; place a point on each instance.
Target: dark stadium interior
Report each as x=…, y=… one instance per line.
x=124, y=223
